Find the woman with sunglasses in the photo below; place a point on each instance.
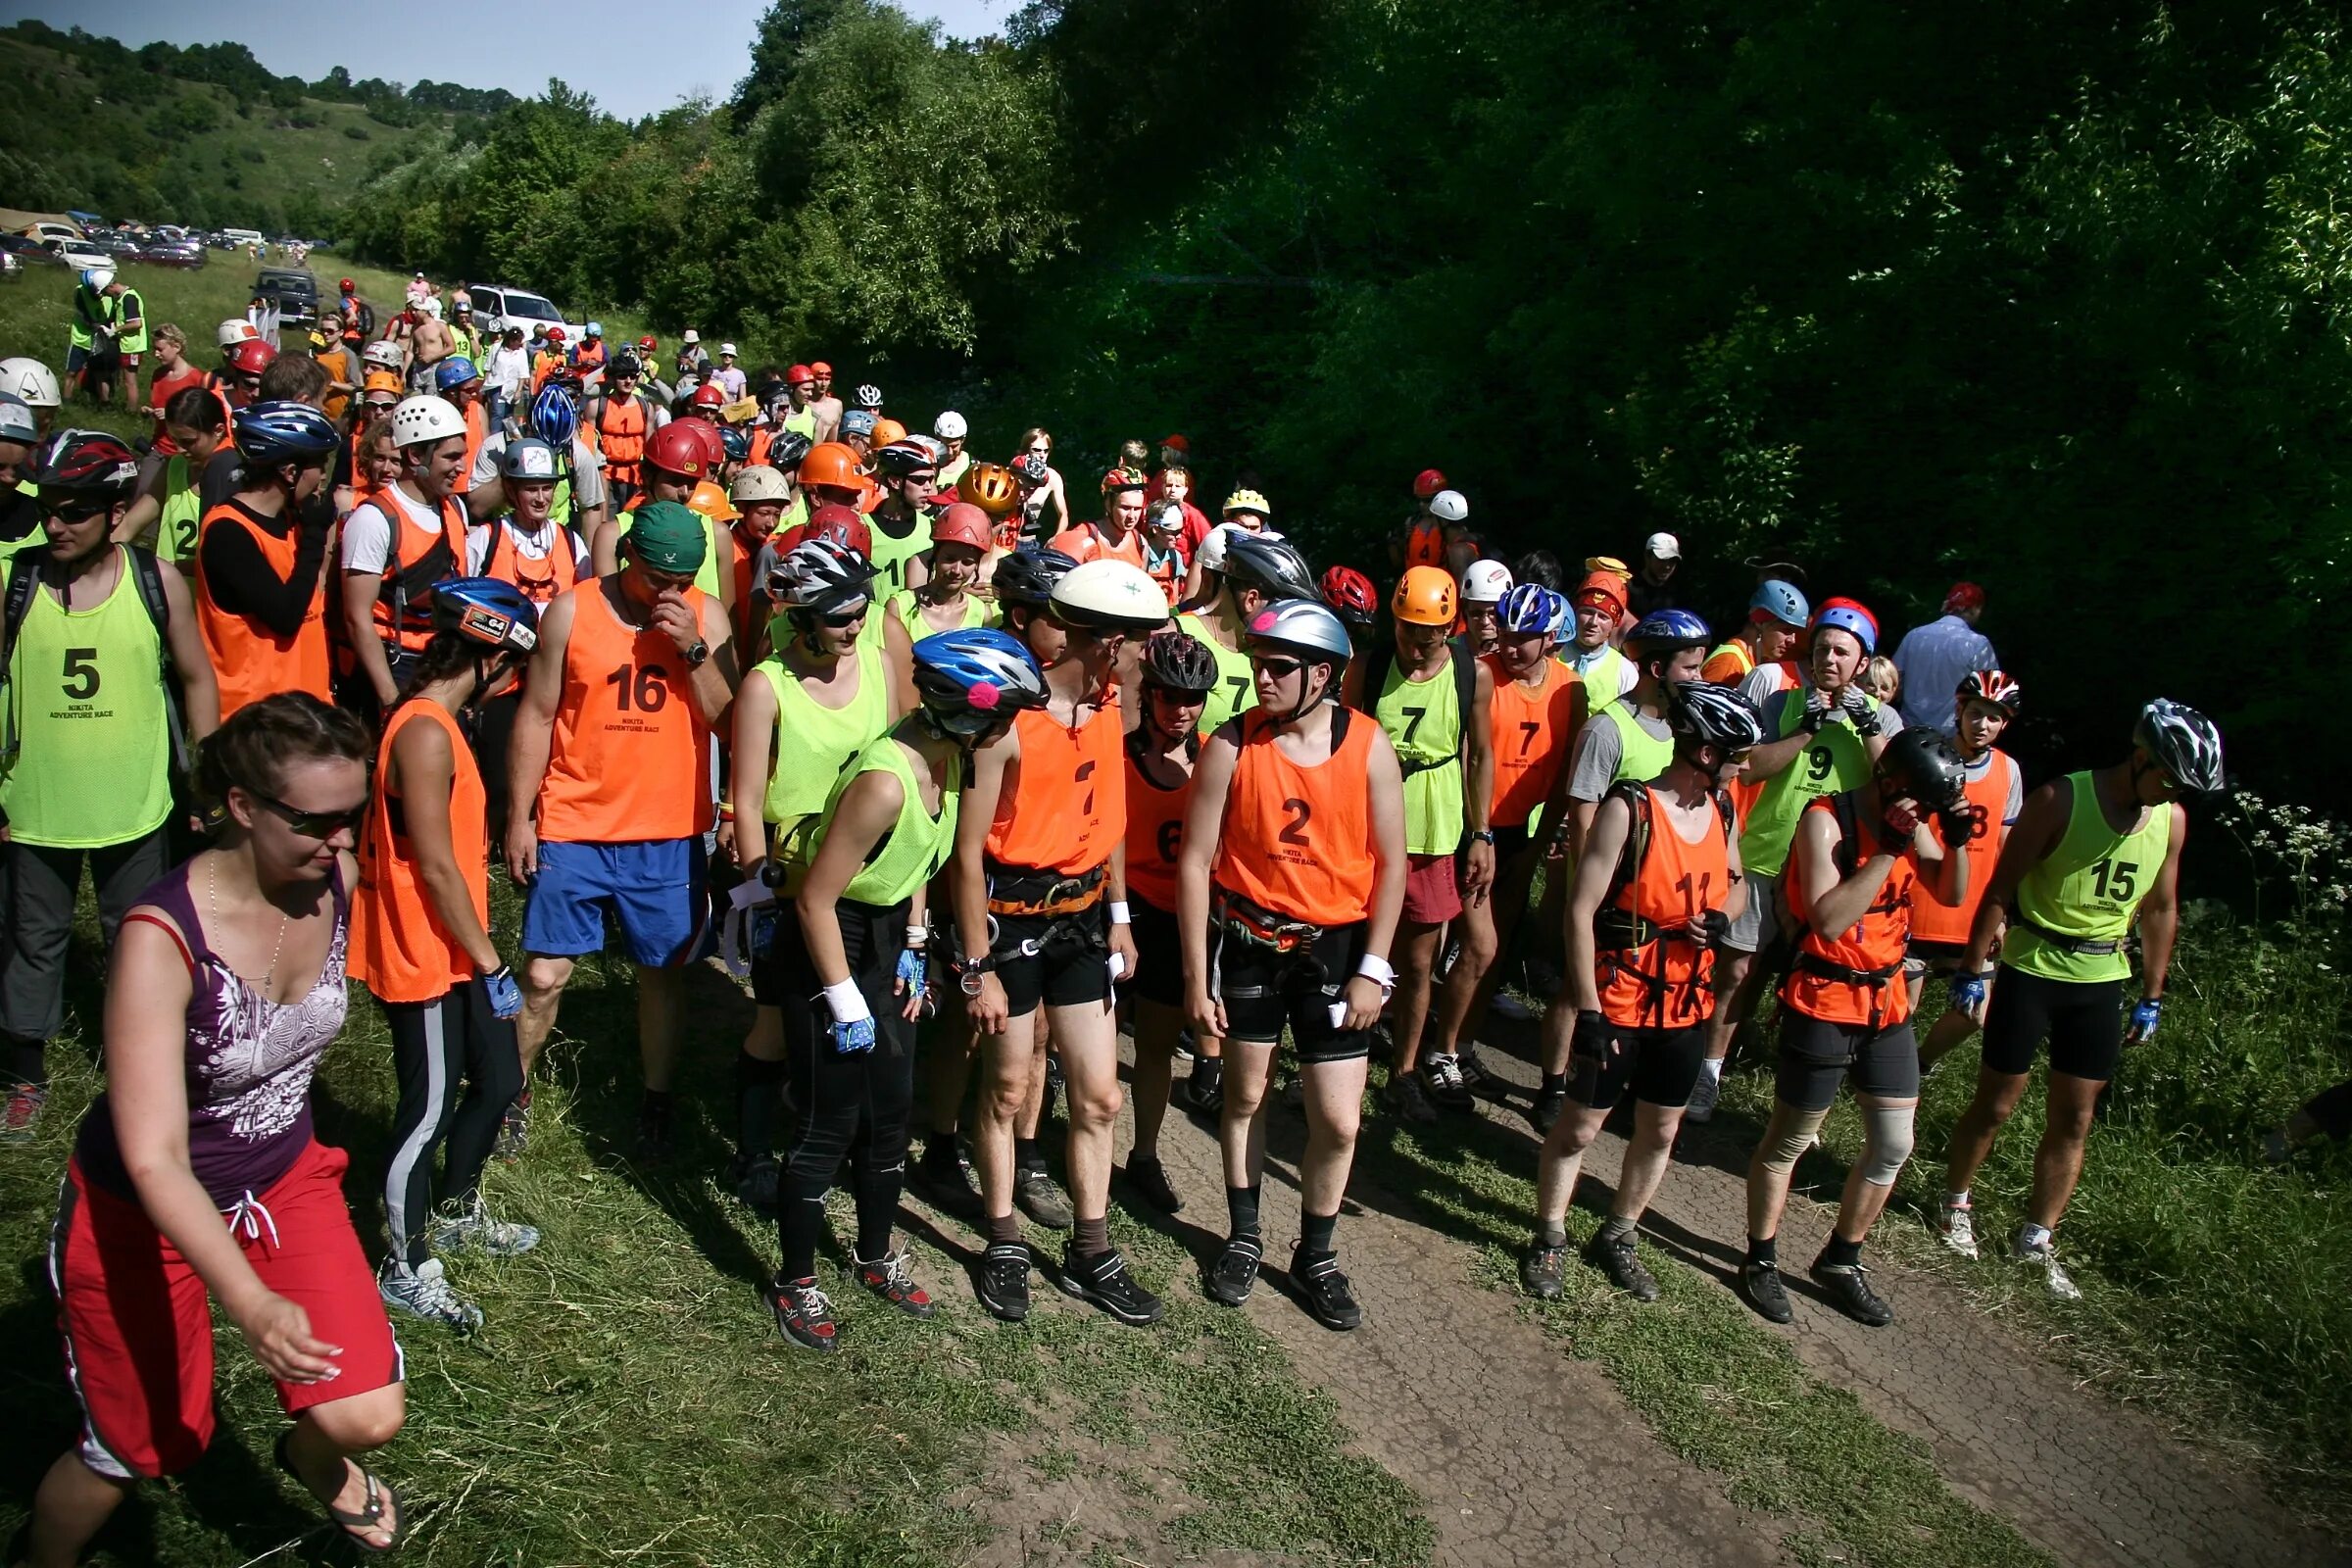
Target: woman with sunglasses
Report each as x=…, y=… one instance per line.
x=196, y=1176
x=261, y=584
x=1046, y=509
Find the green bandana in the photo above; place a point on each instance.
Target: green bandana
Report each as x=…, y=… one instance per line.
x=669, y=537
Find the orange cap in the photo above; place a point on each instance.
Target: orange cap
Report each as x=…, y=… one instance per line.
x=1602, y=585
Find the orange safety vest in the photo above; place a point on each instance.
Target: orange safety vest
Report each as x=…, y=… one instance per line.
x=1931, y=921
x=1530, y=732
x=630, y=761
x=541, y=581
x=1154, y=832
x=620, y=426
x=1666, y=981
x=1853, y=976
x=1424, y=544
x=403, y=604
x=1297, y=841
x=1065, y=805
x=1089, y=541
x=400, y=949
x=250, y=661
x=478, y=426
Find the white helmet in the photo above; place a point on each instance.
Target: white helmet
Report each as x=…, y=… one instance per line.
x=233, y=331
x=419, y=420
x=949, y=427
x=1448, y=506
x=760, y=482
x=30, y=380
x=98, y=278
x=382, y=354
x=1212, y=547
x=1110, y=593
x=1486, y=582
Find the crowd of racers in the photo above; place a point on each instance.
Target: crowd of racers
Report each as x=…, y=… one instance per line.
x=959, y=779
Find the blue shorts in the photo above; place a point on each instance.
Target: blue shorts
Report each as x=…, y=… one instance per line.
x=653, y=891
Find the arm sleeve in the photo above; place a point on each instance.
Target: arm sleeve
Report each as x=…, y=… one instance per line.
x=485, y=462
x=2017, y=794
x=366, y=539
x=240, y=579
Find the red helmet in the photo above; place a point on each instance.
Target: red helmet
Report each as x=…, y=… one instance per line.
x=844, y=526
x=251, y=357
x=710, y=395
x=554, y=334
x=649, y=342
x=348, y=286
x=678, y=448
x=798, y=374
x=960, y=522
x=1351, y=596
x=1428, y=483
x=1993, y=686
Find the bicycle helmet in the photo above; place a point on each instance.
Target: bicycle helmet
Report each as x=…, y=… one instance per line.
x=1353, y=597
x=1850, y=618
x=736, y=443
x=1920, y=764
x=1784, y=601
x=1027, y=577
x=488, y=611
x=16, y=422
x=1665, y=631
x=959, y=522
x=1995, y=687
x=1109, y=595
x=1713, y=716
x=252, y=357
x=859, y=421
x=786, y=449
x=556, y=419
x=1303, y=625
x=1272, y=567
x=1425, y=597
x=626, y=365
x=868, y=397
x=455, y=372
x=1530, y=608
x=1247, y=501
x=1427, y=483
x=379, y=356
x=1449, y=505
x=32, y=380
x=2183, y=742
x=90, y=463
x=759, y=483
x=1486, y=582
x=1031, y=468
x=271, y=434
x=821, y=576
x=949, y=427
x=1179, y=662
x=677, y=449
x=974, y=678
x=988, y=487
x=902, y=459
x=1124, y=478
x=528, y=458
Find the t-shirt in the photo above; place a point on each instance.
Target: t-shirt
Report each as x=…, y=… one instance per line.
x=731, y=377
x=162, y=392
x=587, y=469
x=367, y=531
x=1600, y=747
x=529, y=546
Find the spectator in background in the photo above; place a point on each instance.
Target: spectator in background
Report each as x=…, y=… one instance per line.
x=171, y=372
x=1882, y=680
x=692, y=362
x=729, y=375
x=506, y=375
x=1932, y=659
x=263, y=314
x=1539, y=567
x=1652, y=587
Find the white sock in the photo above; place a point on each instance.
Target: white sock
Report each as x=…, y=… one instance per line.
x=2034, y=1238
x=1958, y=1200
x=1713, y=1069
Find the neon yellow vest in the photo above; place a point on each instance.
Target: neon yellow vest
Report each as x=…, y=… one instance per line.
x=1424, y=722
x=891, y=555
x=183, y=507
x=907, y=612
x=1236, y=687
x=1832, y=762
x=918, y=844
x=815, y=742
x=1641, y=754
x=2088, y=888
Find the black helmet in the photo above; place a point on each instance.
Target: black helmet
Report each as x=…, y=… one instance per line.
x=1027, y=577
x=2184, y=741
x=1179, y=662
x=1272, y=567
x=786, y=449
x=903, y=459
x=1712, y=715
x=1921, y=765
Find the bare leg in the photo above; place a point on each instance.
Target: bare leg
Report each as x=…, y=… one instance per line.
x=765, y=1039
x=1335, y=1108
x=73, y=1504
x=1415, y=957
x=1950, y=1030
x=660, y=1015
x=543, y=982
x=1562, y=1160
x=1009, y=1067
x=1155, y=1029
x=1469, y=983
x=1032, y=1098
x=327, y=1435
x=1088, y=1039
x=1242, y=1131
x=1646, y=1158
x=1738, y=982
x=1996, y=1097
x=2058, y=1163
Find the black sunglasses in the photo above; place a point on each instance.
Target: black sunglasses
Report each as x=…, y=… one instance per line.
x=1278, y=667
x=314, y=824
x=844, y=619
x=78, y=511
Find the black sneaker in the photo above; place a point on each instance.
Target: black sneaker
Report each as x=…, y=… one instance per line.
x=945, y=1186
x=1477, y=1076
x=1230, y=1279
x=1105, y=1281
x=1003, y=1282
x=1760, y=1286
x=1615, y=1258
x=1325, y=1290
x=889, y=1277
x=1549, y=1102
x=803, y=1314
x=1204, y=1090
x=1149, y=1178
x=1848, y=1285
x=1441, y=1079
x=657, y=1136
x=1040, y=1199
x=1541, y=1269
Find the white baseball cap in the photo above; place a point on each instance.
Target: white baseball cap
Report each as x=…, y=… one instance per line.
x=726, y=350
x=691, y=336
x=1664, y=546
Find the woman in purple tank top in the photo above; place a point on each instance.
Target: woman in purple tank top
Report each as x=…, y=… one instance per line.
x=195, y=1175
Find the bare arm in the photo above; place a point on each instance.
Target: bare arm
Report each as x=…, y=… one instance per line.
x=1832, y=904
x=713, y=681
x=898, y=657
x=147, y=506
x=750, y=763
x=2038, y=828
x=1204, y=824
x=198, y=689
x=1604, y=846
x=528, y=749
x=2160, y=912
x=974, y=817
x=424, y=772
x=360, y=591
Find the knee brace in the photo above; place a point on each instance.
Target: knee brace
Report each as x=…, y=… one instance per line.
x=1781, y=1153
x=1885, y=1141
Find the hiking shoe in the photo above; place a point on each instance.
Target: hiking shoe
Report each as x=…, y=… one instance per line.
x=1549, y=1102
x=1002, y=1283
x=1703, y=1095
x=1507, y=1006
x=757, y=1182
x=1230, y=1279
x=1105, y=1281
x=1204, y=1090
x=2062, y=1286
x=1442, y=1077
x=461, y=1226
x=426, y=1292
x=1410, y=1100
x=945, y=1186
x=1848, y=1285
x=1760, y=1286
x=514, y=1130
x=1477, y=1077
x=1541, y=1271
x=1040, y=1199
x=1329, y=1299
x=22, y=1114
x=1149, y=1178
x=889, y=1277
x=1614, y=1256
x=656, y=1134
x=803, y=1316
x=1957, y=1226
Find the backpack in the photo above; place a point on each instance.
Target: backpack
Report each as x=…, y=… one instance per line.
x=1464, y=665
x=144, y=573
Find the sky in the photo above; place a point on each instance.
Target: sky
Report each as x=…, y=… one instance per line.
x=595, y=45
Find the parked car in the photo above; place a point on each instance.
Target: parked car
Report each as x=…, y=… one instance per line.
x=499, y=306
x=294, y=290
x=28, y=253
x=185, y=253
x=76, y=255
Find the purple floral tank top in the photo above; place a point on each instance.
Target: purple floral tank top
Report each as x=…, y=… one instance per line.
x=249, y=1064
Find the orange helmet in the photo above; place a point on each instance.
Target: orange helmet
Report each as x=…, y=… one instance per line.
x=962, y=523
x=1425, y=597
x=886, y=431
x=990, y=487
x=678, y=448
x=382, y=382
x=712, y=502
x=829, y=463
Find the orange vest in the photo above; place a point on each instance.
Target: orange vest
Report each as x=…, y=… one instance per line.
x=541, y=581
x=249, y=660
x=478, y=425
x=620, y=425
x=1872, y=943
x=1299, y=840
x=399, y=946
x=404, y=604
x=1931, y=921
x=1531, y=732
x=1090, y=542
x=1155, y=834
x=631, y=754
x=1066, y=803
x=1424, y=544
x=1668, y=981
x=589, y=357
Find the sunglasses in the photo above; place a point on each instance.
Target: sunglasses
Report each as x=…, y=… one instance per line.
x=374, y=407
x=314, y=824
x=78, y=511
x=843, y=620
x=1279, y=667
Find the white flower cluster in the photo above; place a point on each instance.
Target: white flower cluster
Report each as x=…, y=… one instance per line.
x=2311, y=853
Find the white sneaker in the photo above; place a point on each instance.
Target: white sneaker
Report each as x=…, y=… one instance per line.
x=2053, y=1273
x=1957, y=1226
x=1506, y=1006
x=1703, y=1095
x=459, y=1226
x=426, y=1292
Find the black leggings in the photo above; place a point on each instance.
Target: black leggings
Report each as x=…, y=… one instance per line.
x=436, y=1047
x=854, y=1104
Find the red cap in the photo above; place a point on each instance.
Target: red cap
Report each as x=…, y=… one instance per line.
x=819, y=368
x=1428, y=483
x=844, y=525
x=1965, y=596
x=1123, y=479
x=1178, y=442
x=1604, y=585
x=962, y=523
x=799, y=373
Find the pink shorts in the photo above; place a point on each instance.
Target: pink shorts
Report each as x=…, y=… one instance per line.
x=1433, y=889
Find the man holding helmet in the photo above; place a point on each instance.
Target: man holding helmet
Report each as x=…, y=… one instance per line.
x=397, y=546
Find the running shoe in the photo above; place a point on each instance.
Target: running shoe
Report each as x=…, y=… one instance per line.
x=1003, y=1282
x=2046, y=1257
x=1040, y=1199
x=757, y=1182
x=657, y=1134
x=461, y=1226
x=1441, y=1076
x=1507, y=1006
x=1325, y=1289
x=1204, y=1090
x=1149, y=1178
x=1104, y=1280
x=1703, y=1095
x=1956, y=1224
x=1761, y=1288
x=1615, y=1257
x=1410, y=1100
x=426, y=1292
x=23, y=1115
x=1234, y=1274
x=1477, y=1077
x=941, y=1182
x=803, y=1316
x=1848, y=1287
x=1542, y=1270
x=515, y=1129
x=889, y=1278
x=1549, y=1102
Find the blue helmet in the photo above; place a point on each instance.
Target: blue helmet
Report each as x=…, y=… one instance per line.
x=1664, y=631
x=857, y=422
x=282, y=431
x=1784, y=601
x=455, y=372
x=488, y=611
x=1529, y=607
x=970, y=680
x=555, y=417
x=737, y=443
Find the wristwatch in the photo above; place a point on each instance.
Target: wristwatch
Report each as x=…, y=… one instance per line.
x=1483, y=835
x=699, y=654
x=969, y=970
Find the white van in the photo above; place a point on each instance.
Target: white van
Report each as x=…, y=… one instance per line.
x=242, y=237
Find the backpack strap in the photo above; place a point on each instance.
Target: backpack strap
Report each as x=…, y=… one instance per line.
x=1635, y=792
x=150, y=581
x=21, y=586
x=1465, y=684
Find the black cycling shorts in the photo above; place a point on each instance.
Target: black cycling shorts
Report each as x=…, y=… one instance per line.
x=1158, y=956
x=2082, y=1019
x=1069, y=966
x=1659, y=1065
x=1263, y=989
x=1816, y=1054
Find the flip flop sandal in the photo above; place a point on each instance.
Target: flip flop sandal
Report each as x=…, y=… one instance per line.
x=380, y=1495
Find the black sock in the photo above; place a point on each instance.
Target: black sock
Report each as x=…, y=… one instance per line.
x=1091, y=1237
x=1767, y=1251
x=1314, y=1234
x=1841, y=1253
x=1240, y=1205
x=1026, y=1155
x=938, y=1150
x=1208, y=1070
x=758, y=1097
x=28, y=1064
x=799, y=1224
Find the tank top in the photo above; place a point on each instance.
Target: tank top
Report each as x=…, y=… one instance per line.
x=249, y=1062
x=1090, y=541
x=2088, y=888
x=1065, y=805
x=1530, y=732
x=1667, y=982
x=908, y=610
x=815, y=742
x=918, y=844
x=1424, y=722
x=250, y=661
x=89, y=735
x=1640, y=753
x=1298, y=839
x=1602, y=679
x=400, y=949
x=891, y=552
x=1989, y=791
x=415, y=561
x=1237, y=685
x=631, y=757
x=1873, y=943
x=543, y=580
x=477, y=427
x=175, y=529
x=1833, y=763
x=1154, y=831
